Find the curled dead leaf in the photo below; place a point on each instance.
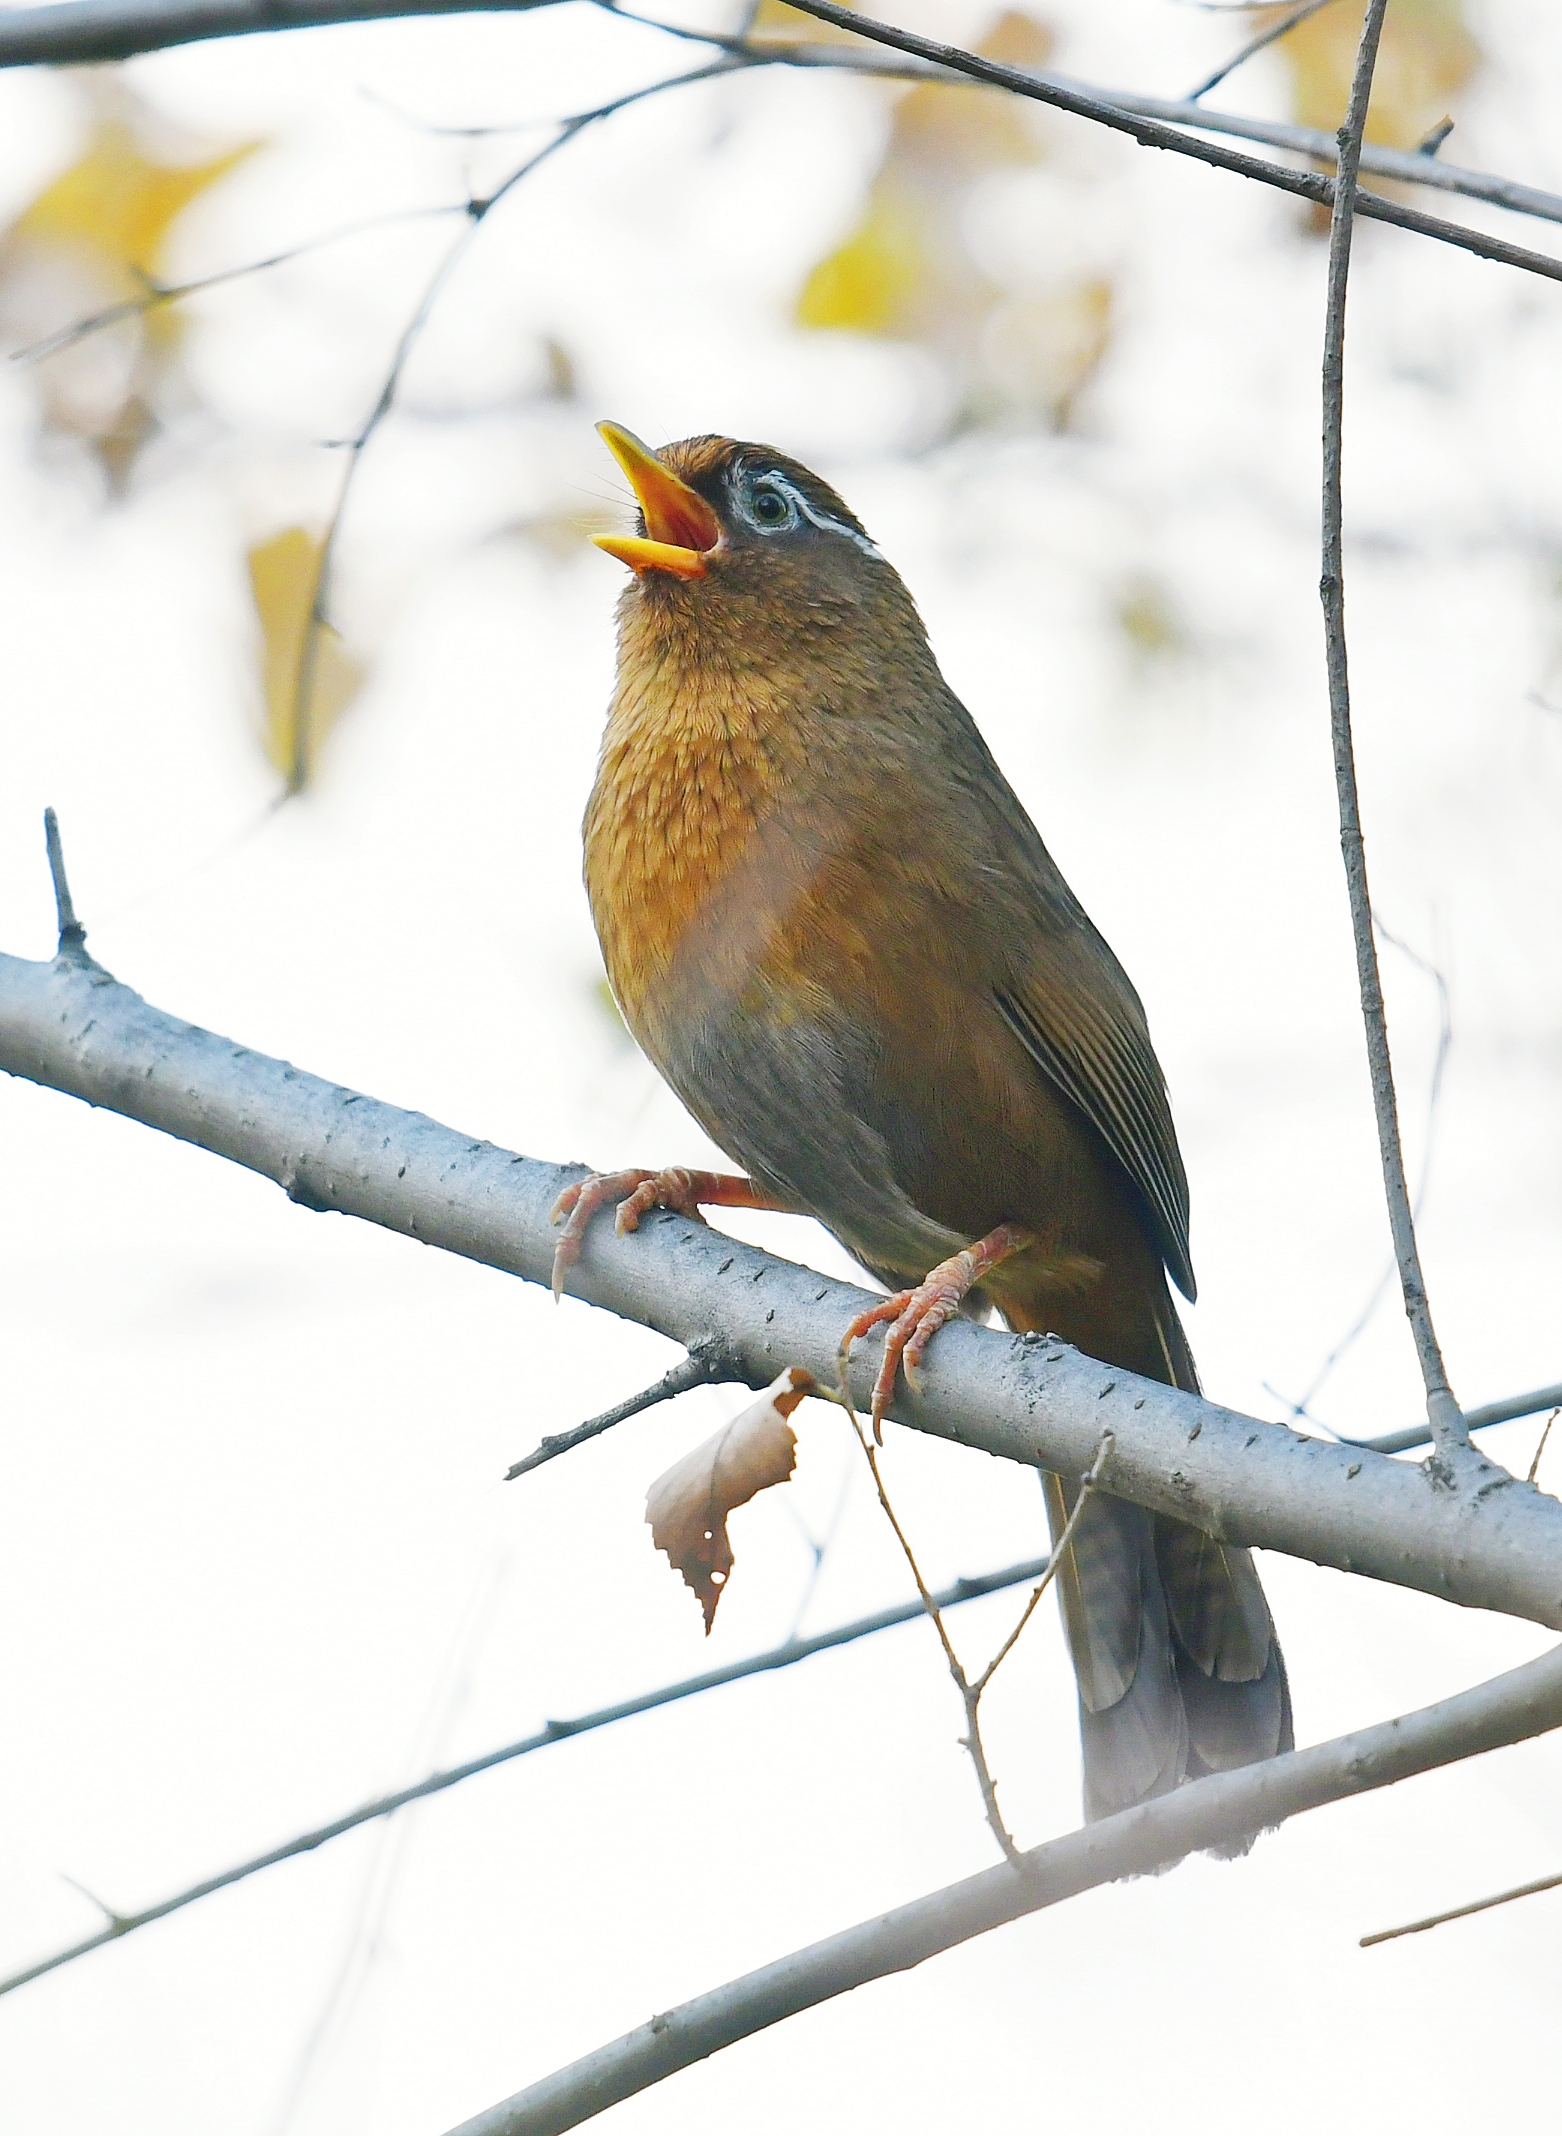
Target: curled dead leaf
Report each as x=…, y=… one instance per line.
x=687, y=1506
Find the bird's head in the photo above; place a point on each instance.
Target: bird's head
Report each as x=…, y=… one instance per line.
x=720, y=519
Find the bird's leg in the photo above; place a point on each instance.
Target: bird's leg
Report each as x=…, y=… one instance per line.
x=638, y=1192
x=919, y=1314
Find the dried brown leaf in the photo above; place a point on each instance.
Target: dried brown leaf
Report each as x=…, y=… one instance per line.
x=687, y=1507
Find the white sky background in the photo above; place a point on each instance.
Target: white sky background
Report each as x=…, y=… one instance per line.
x=256, y=1561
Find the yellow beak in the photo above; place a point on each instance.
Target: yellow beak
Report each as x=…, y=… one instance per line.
x=680, y=527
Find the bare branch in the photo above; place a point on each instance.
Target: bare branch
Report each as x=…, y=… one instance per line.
x=1504, y=1412
x=1255, y=45
x=969, y=1688
x=1487, y=1541
x=703, y=1367
x=785, y=1656
x=1301, y=1405
x=1089, y=1482
x=1450, y=1437
x=1150, y=132
x=1510, y=1708
x=1409, y=166
x=1458, y=1913
x=79, y=32
x=156, y=294
x=301, y=725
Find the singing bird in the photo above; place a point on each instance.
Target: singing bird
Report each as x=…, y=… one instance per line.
x=833, y=928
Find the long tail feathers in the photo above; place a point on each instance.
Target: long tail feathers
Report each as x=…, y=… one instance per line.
x=1179, y=1670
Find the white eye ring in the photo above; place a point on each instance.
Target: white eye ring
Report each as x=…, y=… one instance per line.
x=773, y=484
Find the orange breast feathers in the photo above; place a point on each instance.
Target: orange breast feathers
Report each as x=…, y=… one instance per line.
x=692, y=762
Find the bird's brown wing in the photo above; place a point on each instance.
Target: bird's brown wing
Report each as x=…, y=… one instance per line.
x=1091, y=1044
x=1070, y=1003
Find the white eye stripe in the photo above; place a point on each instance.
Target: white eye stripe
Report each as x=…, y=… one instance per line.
x=821, y=520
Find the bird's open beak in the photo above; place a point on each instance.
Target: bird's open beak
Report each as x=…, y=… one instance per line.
x=680, y=527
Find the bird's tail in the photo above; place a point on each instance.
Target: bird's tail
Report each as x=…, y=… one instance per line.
x=1174, y=1649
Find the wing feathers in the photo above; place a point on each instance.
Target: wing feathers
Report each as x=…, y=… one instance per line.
x=1103, y=1063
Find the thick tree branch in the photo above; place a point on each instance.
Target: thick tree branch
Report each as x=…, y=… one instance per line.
x=1525, y=1702
x=1491, y=1542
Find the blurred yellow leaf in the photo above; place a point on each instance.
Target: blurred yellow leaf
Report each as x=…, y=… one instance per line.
x=776, y=23
x=95, y=238
x=1037, y=351
x=309, y=677
x=1146, y=615
x=907, y=271
x=118, y=200
x=1426, y=57
x=872, y=283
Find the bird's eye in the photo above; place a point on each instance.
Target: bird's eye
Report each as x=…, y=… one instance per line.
x=768, y=504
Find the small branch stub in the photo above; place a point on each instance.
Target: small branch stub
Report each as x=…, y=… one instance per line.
x=73, y=936
x=705, y=1365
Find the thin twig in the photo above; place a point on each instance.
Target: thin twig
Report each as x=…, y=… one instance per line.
x=1257, y=44
x=80, y=31
x=1503, y=1412
x=153, y=295
x=970, y=1692
x=1203, y=1814
x=1534, y=1467
x=1416, y=166
x=1087, y=1484
x=1413, y=167
x=971, y=1742
x=1151, y=132
x=1301, y=1406
x=785, y=1656
x=705, y=1364
x=477, y=211
x=73, y=936
x=117, y=1921
x=1449, y=1434
x=1458, y=1913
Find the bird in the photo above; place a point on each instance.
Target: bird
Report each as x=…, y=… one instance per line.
x=830, y=924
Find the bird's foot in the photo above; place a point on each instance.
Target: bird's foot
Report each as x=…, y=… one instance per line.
x=637, y=1193
x=917, y=1315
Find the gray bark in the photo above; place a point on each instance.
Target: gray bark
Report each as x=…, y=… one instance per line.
x=1467, y=1532
x=1523, y=1703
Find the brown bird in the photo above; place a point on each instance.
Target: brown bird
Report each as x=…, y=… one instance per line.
x=837, y=934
